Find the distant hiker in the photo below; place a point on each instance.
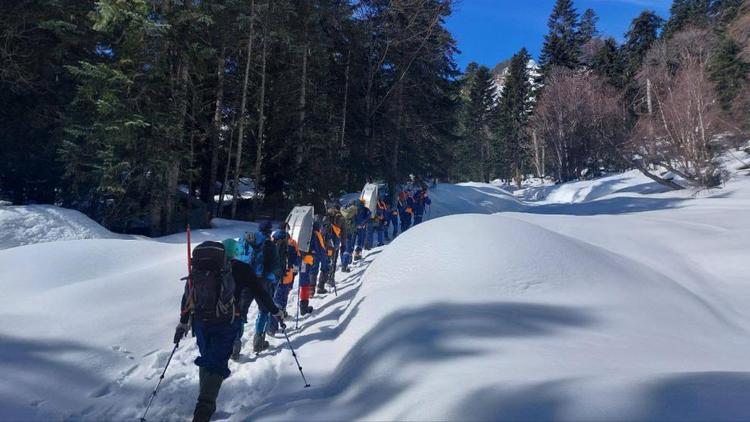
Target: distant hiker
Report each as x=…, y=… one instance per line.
x=349, y=235
x=289, y=259
x=392, y=215
x=421, y=200
x=209, y=302
x=379, y=222
x=320, y=251
x=361, y=220
x=406, y=209
x=304, y=284
x=335, y=237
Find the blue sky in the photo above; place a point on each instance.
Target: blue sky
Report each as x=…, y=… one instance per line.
x=489, y=31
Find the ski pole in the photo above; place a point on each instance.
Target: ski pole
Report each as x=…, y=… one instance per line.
x=283, y=330
x=161, y=378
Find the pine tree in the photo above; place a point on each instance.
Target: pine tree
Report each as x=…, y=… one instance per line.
x=608, y=62
x=684, y=13
x=479, y=110
x=587, y=28
x=561, y=43
x=513, y=115
x=728, y=71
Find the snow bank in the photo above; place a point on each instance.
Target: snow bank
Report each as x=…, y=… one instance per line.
x=29, y=224
x=487, y=317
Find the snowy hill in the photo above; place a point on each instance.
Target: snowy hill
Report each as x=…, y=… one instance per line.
x=29, y=224
x=605, y=299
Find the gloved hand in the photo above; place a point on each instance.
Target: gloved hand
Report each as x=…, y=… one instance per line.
x=271, y=277
x=295, y=269
x=280, y=317
x=181, y=332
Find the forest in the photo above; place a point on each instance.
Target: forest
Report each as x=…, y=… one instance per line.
x=147, y=115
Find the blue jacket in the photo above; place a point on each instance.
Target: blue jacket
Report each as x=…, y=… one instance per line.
x=363, y=214
x=420, y=200
x=319, y=250
x=265, y=265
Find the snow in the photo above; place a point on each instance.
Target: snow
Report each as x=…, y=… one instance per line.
x=29, y=224
x=598, y=300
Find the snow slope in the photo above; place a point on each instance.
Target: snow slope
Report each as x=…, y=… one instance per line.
x=611, y=303
x=29, y=224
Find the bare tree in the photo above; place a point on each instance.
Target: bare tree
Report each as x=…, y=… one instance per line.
x=685, y=117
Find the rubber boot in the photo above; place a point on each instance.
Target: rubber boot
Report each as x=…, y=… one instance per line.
x=210, y=384
x=259, y=342
x=304, y=307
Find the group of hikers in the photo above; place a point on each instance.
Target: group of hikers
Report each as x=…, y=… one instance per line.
x=226, y=277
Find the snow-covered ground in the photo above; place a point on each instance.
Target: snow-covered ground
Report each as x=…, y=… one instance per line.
x=29, y=224
x=606, y=299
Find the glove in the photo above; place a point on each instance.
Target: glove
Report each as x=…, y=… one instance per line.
x=271, y=277
x=181, y=332
x=280, y=317
x=295, y=269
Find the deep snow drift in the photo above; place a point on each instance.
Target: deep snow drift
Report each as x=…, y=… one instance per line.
x=599, y=300
x=29, y=224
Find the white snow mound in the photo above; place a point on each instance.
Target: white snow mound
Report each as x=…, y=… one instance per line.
x=29, y=224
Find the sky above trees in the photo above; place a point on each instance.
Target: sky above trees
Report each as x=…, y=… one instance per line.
x=489, y=31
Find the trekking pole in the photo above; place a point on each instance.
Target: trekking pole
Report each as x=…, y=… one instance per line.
x=161, y=378
x=283, y=330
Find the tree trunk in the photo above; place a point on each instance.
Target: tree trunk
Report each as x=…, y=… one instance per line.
x=346, y=99
x=302, y=108
x=243, y=106
x=261, y=121
x=216, y=126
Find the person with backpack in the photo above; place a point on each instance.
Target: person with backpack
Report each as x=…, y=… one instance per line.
x=304, y=284
x=362, y=219
x=421, y=200
x=406, y=204
x=392, y=216
x=335, y=236
x=348, y=215
x=378, y=223
x=289, y=264
x=265, y=264
x=319, y=250
x=208, y=307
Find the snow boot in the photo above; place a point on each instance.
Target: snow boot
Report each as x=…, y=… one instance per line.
x=236, y=348
x=322, y=283
x=210, y=384
x=259, y=343
x=272, y=329
x=304, y=307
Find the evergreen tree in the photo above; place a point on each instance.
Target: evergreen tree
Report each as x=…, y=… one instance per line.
x=728, y=71
x=608, y=62
x=479, y=109
x=684, y=13
x=561, y=44
x=513, y=115
x=587, y=28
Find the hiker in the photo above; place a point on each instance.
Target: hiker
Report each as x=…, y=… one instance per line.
x=406, y=209
x=335, y=237
x=266, y=263
x=288, y=254
x=421, y=200
x=319, y=250
x=209, y=302
x=379, y=222
x=304, y=284
x=361, y=220
x=392, y=216
x=349, y=235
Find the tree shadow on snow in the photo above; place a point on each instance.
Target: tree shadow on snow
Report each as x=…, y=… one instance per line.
x=432, y=333
x=680, y=397
x=610, y=206
x=39, y=370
